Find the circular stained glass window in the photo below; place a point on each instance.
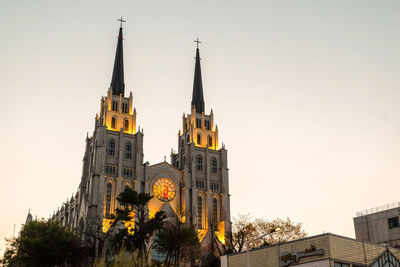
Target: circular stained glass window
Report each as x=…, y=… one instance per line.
x=164, y=189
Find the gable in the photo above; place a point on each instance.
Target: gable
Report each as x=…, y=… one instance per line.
x=386, y=259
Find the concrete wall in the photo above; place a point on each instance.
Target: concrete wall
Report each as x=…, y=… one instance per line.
x=375, y=228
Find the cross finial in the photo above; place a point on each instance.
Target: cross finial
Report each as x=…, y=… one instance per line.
x=198, y=42
x=121, y=20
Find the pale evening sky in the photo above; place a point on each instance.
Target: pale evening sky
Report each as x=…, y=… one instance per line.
x=306, y=95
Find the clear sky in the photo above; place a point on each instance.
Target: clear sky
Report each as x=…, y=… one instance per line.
x=305, y=94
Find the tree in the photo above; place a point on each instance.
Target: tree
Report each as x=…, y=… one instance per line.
x=288, y=230
x=135, y=209
x=246, y=229
x=243, y=230
x=94, y=237
x=44, y=243
x=178, y=243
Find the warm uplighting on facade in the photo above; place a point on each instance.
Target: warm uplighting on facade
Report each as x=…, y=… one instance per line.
x=221, y=232
x=107, y=224
x=130, y=225
x=201, y=234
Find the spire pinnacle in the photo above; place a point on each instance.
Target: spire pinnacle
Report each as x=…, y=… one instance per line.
x=197, y=97
x=117, y=81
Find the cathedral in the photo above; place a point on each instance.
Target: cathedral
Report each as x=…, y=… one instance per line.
x=193, y=188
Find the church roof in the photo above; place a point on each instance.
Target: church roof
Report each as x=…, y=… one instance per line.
x=117, y=81
x=197, y=97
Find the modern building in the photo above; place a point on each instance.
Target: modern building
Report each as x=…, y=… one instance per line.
x=326, y=250
x=194, y=188
x=379, y=225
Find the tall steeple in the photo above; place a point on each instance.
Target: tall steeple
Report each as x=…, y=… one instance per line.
x=197, y=97
x=117, y=81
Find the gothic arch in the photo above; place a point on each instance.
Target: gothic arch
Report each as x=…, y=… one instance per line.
x=114, y=122
x=201, y=211
x=216, y=208
x=108, y=210
x=126, y=124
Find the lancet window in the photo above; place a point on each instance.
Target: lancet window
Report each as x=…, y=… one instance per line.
x=111, y=147
x=128, y=150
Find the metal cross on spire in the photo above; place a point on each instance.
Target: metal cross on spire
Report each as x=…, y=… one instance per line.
x=121, y=20
x=198, y=42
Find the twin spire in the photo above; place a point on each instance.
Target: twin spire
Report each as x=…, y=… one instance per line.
x=118, y=85
x=197, y=96
x=117, y=81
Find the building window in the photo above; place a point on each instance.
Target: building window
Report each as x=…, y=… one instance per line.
x=113, y=123
x=200, y=184
x=125, y=108
x=108, y=200
x=182, y=143
x=128, y=150
x=110, y=170
x=393, y=222
x=198, y=123
x=199, y=162
x=199, y=139
x=385, y=260
x=207, y=125
x=215, y=211
x=126, y=125
x=128, y=173
x=214, y=165
x=188, y=138
x=115, y=106
x=338, y=264
x=214, y=186
x=177, y=164
x=200, y=211
x=210, y=141
x=111, y=147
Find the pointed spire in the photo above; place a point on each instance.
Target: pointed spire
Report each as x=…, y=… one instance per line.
x=197, y=97
x=117, y=82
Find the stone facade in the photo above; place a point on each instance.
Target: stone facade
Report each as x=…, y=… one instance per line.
x=194, y=187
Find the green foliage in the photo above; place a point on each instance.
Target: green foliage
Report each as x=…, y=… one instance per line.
x=44, y=243
x=178, y=243
x=144, y=227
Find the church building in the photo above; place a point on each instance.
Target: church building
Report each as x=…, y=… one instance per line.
x=194, y=187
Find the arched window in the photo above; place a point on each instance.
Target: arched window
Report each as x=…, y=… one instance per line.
x=177, y=164
x=199, y=139
x=215, y=211
x=199, y=162
x=210, y=141
x=214, y=165
x=128, y=150
x=182, y=143
x=113, y=123
x=188, y=138
x=111, y=147
x=126, y=125
x=108, y=200
x=200, y=211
